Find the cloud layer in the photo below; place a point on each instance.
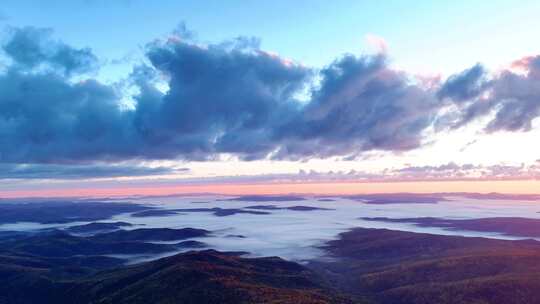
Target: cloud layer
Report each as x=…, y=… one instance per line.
x=511, y=98
x=361, y=104
x=234, y=98
x=447, y=172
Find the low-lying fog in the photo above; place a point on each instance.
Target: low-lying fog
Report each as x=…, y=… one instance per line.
x=295, y=234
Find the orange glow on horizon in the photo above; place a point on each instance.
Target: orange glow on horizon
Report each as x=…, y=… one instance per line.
x=509, y=187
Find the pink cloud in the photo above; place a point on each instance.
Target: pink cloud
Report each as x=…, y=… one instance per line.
x=377, y=43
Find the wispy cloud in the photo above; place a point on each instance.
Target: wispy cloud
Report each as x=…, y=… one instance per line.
x=68, y=172
x=377, y=43
x=446, y=172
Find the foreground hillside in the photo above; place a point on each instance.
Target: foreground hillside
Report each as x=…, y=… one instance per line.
x=207, y=277
x=395, y=267
x=194, y=277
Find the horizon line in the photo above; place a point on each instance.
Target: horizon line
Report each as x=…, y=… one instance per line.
x=529, y=188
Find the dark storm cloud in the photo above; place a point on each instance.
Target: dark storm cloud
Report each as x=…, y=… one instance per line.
x=224, y=98
x=221, y=98
x=45, y=118
x=52, y=171
x=236, y=98
x=513, y=97
x=465, y=85
x=31, y=47
x=361, y=105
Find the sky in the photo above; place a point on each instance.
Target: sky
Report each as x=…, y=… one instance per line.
x=132, y=97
